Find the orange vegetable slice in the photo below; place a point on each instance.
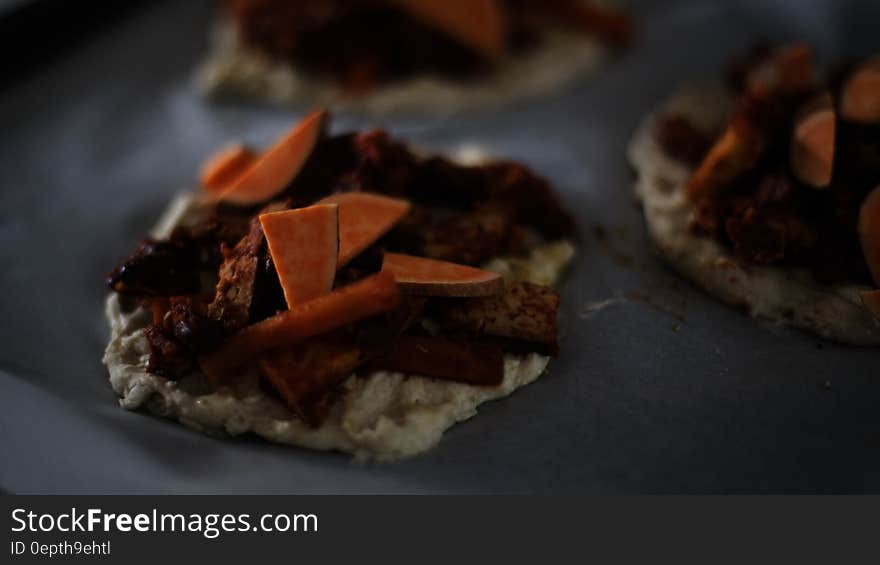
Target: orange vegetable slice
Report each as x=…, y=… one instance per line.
x=860, y=95
x=477, y=24
x=363, y=299
x=221, y=169
x=869, y=232
x=276, y=168
x=364, y=217
x=812, y=145
x=304, y=244
x=429, y=277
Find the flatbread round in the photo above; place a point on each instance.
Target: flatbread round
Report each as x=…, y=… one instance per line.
x=235, y=71
x=784, y=295
x=382, y=416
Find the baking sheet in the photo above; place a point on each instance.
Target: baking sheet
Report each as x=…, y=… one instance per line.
x=658, y=389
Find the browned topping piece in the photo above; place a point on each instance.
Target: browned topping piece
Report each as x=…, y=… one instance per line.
x=525, y=312
x=467, y=362
x=680, y=140
x=180, y=329
x=469, y=238
x=763, y=225
x=168, y=357
x=529, y=198
x=812, y=144
x=303, y=373
x=376, y=336
x=234, y=293
x=159, y=268
x=384, y=165
x=187, y=320
x=764, y=237
x=733, y=154
x=860, y=95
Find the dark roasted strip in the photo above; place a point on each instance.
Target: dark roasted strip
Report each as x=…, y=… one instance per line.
x=158, y=268
x=234, y=293
x=441, y=358
x=525, y=312
x=304, y=373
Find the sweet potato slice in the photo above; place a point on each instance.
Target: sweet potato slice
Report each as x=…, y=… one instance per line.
x=221, y=169
x=860, y=95
x=304, y=244
x=277, y=167
x=812, y=144
x=368, y=297
x=429, y=277
x=871, y=300
x=869, y=232
x=476, y=24
x=441, y=358
x=303, y=373
x=364, y=217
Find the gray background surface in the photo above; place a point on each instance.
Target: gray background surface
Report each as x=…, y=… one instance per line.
x=664, y=391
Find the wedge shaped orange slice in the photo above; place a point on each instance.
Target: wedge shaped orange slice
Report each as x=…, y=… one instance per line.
x=278, y=166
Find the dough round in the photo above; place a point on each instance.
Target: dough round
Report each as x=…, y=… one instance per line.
x=381, y=416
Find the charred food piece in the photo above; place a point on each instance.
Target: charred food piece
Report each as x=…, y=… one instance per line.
x=235, y=291
x=159, y=268
x=525, y=312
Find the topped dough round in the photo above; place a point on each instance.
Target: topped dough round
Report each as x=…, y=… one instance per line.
x=789, y=296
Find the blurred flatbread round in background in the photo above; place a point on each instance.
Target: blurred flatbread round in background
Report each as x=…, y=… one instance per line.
x=235, y=71
x=789, y=296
